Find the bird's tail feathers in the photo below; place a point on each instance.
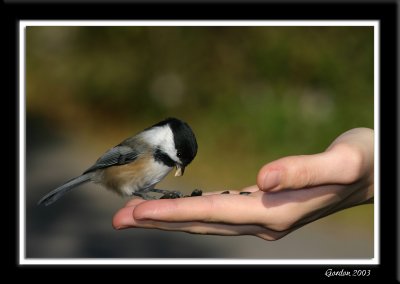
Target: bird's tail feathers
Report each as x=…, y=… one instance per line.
x=63, y=189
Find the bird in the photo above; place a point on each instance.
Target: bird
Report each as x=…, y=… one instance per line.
x=137, y=164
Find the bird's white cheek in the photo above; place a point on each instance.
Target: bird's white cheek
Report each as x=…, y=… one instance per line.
x=162, y=138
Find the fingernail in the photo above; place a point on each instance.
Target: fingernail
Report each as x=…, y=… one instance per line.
x=272, y=179
x=118, y=227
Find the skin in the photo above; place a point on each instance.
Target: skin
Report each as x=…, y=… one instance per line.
x=290, y=193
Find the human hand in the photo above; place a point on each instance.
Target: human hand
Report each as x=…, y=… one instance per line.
x=290, y=193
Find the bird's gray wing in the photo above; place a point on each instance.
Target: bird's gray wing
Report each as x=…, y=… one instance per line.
x=119, y=155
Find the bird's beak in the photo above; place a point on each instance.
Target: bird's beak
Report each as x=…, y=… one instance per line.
x=179, y=170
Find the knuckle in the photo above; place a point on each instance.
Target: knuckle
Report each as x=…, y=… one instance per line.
x=271, y=236
x=280, y=227
x=297, y=173
x=304, y=176
x=210, y=205
x=352, y=160
x=267, y=237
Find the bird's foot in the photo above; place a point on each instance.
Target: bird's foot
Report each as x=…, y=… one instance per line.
x=172, y=195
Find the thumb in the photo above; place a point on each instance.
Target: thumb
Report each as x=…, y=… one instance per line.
x=341, y=165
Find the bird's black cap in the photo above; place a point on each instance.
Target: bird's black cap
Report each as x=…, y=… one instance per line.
x=184, y=139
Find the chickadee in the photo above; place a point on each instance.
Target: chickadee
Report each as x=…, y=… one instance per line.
x=138, y=163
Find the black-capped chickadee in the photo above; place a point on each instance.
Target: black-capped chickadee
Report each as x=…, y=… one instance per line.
x=138, y=163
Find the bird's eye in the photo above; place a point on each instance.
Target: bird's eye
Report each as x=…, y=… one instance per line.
x=179, y=154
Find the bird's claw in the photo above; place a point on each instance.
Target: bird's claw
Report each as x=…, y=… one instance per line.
x=177, y=194
x=171, y=195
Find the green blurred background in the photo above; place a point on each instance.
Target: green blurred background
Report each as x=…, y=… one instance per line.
x=251, y=95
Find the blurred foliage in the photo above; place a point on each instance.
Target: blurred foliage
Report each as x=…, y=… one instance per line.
x=251, y=94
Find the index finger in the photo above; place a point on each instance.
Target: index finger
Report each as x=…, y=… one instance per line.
x=232, y=209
